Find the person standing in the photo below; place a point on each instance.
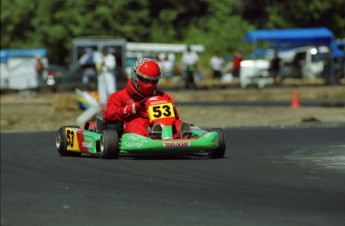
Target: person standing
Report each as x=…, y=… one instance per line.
x=236, y=64
x=216, y=63
x=189, y=64
x=167, y=69
x=275, y=69
x=39, y=67
x=87, y=64
x=106, y=78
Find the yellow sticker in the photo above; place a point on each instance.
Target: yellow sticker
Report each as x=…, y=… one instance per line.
x=161, y=111
x=72, y=140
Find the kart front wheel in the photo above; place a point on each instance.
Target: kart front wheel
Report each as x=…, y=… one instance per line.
x=61, y=142
x=109, y=144
x=220, y=151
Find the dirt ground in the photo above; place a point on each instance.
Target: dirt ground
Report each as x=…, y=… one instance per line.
x=49, y=111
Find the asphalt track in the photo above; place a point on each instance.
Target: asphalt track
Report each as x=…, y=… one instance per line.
x=270, y=176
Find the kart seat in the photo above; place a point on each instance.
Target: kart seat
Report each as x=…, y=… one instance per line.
x=102, y=124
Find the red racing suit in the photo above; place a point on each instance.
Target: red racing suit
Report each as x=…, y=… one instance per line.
x=135, y=123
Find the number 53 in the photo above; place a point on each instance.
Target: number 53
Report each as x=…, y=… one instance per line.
x=161, y=111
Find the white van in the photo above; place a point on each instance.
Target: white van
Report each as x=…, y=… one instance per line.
x=307, y=62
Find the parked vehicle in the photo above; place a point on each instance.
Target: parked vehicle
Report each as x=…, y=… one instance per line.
x=307, y=62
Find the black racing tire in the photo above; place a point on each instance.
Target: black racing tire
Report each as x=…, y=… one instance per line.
x=61, y=142
x=220, y=151
x=109, y=144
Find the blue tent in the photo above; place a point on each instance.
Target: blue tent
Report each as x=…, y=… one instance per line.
x=295, y=37
x=5, y=54
x=337, y=52
x=307, y=36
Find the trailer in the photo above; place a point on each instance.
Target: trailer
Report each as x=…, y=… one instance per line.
x=18, y=68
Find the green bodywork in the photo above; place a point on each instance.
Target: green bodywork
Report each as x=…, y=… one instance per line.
x=200, y=141
x=133, y=143
x=92, y=140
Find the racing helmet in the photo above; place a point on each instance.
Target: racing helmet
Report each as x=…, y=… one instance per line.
x=145, y=76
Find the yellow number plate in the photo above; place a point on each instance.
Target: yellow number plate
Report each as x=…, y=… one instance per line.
x=72, y=140
x=161, y=111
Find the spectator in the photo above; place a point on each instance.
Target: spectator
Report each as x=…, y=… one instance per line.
x=275, y=68
x=168, y=67
x=172, y=57
x=39, y=67
x=216, y=63
x=236, y=64
x=160, y=60
x=87, y=64
x=106, y=80
x=87, y=57
x=189, y=64
x=125, y=106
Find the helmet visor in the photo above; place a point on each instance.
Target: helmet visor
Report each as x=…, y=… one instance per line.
x=148, y=81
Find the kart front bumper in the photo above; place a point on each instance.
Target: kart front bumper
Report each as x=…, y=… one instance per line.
x=137, y=144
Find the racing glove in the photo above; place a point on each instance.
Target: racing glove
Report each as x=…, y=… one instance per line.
x=131, y=109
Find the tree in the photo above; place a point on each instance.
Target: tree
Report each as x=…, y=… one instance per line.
x=219, y=25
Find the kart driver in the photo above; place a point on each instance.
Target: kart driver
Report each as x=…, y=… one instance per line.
x=127, y=105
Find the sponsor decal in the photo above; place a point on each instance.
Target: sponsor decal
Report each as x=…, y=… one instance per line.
x=87, y=144
x=134, y=142
x=81, y=140
x=176, y=144
x=159, y=102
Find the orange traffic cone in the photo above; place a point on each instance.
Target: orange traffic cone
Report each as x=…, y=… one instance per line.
x=295, y=100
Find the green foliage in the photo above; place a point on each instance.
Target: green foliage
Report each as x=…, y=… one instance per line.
x=308, y=13
x=218, y=25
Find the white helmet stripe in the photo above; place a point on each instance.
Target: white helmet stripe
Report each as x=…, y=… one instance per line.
x=136, y=72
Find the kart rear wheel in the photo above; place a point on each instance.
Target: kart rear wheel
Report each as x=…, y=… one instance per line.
x=109, y=144
x=61, y=142
x=220, y=151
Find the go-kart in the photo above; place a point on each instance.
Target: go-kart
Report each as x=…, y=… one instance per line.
x=108, y=140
